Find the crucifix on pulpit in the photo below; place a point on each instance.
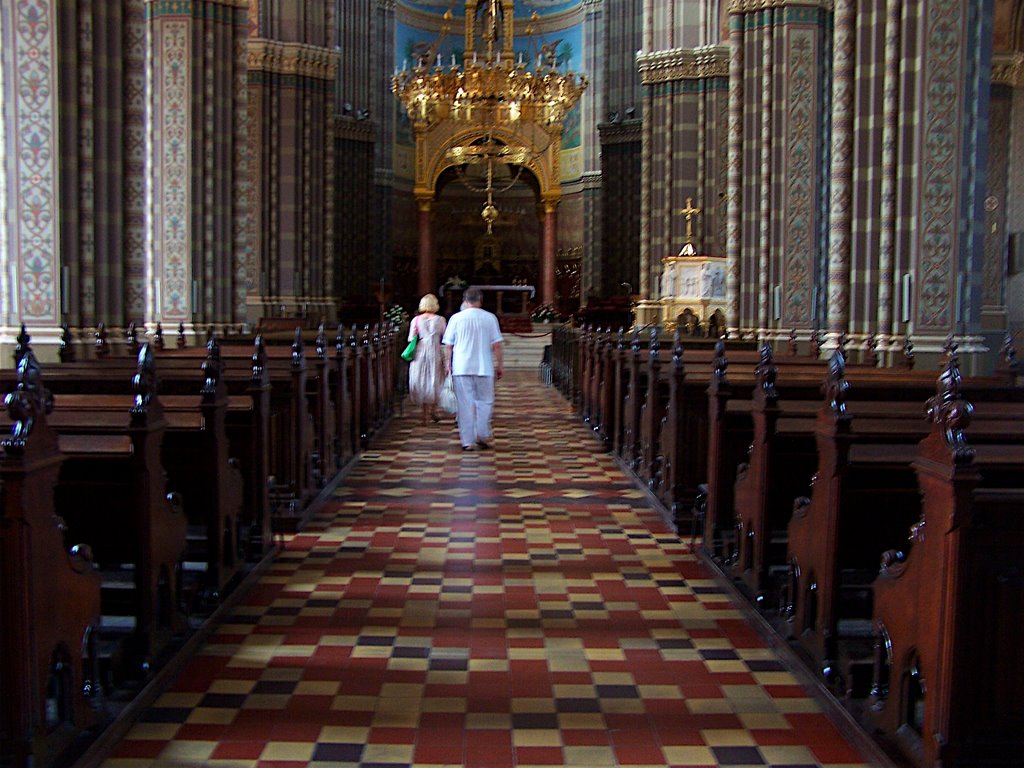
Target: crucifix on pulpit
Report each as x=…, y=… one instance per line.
x=689, y=212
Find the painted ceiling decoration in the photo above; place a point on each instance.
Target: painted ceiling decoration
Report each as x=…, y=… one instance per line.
x=523, y=7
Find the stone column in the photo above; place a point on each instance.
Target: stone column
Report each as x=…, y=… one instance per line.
x=547, y=260
x=765, y=312
x=843, y=42
x=887, y=323
x=734, y=174
x=425, y=261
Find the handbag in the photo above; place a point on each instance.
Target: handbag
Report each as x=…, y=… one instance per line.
x=446, y=400
x=409, y=353
x=410, y=350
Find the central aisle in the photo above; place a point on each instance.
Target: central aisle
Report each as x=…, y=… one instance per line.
x=514, y=607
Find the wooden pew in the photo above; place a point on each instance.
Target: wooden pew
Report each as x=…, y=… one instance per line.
x=863, y=499
x=247, y=419
x=111, y=491
x=49, y=594
x=950, y=650
x=195, y=456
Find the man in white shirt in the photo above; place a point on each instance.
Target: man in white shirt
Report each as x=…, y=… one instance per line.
x=475, y=357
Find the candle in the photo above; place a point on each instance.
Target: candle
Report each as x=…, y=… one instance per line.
x=453, y=61
x=439, y=61
x=906, y=297
x=960, y=279
x=156, y=296
x=65, y=287
x=778, y=302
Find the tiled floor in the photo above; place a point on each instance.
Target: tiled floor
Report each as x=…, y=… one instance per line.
x=513, y=607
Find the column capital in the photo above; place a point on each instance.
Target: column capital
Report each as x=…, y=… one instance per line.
x=550, y=203
x=424, y=200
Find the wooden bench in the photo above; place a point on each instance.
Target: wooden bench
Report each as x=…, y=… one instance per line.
x=949, y=665
x=195, y=456
x=865, y=497
x=49, y=593
x=111, y=490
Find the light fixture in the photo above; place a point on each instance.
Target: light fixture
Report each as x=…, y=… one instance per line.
x=493, y=89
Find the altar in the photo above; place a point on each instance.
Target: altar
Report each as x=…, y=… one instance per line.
x=499, y=299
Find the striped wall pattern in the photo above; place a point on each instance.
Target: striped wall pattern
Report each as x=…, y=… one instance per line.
x=291, y=86
x=687, y=90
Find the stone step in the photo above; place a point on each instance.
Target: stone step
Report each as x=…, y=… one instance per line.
x=525, y=350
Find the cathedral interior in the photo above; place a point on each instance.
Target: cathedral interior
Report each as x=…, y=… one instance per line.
x=225, y=539
x=854, y=165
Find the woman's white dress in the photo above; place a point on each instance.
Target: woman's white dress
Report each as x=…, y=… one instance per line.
x=426, y=371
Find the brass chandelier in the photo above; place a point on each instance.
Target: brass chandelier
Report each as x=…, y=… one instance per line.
x=491, y=87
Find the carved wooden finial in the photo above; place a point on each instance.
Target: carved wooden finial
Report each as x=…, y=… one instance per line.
x=102, y=345
x=950, y=411
x=1008, y=365
x=158, y=336
x=29, y=401
x=23, y=345
x=259, y=359
x=654, y=346
x=873, y=353
x=67, y=345
x=144, y=382
x=634, y=343
x=620, y=342
x=721, y=362
x=181, y=335
x=836, y=386
x=131, y=336
x=677, y=349
x=908, y=352
x=321, y=342
x=339, y=338
x=765, y=372
x=353, y=339
x=298, y=349
x=792, y=343
x=212, y=365
x=366, y=335
x=817, y=342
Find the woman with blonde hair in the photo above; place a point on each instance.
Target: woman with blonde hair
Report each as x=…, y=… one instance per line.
x=426, y=371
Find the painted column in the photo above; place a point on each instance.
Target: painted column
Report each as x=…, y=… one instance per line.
x=547, y=262
x=765, y=272
x=734, y=174
x=887, y=323
x=169, y=153
x=30, y=273
x=841, y=169
x=425, y=259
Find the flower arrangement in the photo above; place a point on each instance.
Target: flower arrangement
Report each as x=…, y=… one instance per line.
x=396, y=314
x=455, y=283
x=545, y=313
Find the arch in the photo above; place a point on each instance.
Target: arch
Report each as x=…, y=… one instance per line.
x=541, y=164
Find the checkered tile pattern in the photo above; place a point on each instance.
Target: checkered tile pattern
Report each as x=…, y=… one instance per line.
x=513, y=607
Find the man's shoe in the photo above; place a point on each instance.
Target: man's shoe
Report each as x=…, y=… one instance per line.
x=483, y=445
x=469, y=447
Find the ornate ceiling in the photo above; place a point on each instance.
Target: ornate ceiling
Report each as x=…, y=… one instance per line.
x=523, y=7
